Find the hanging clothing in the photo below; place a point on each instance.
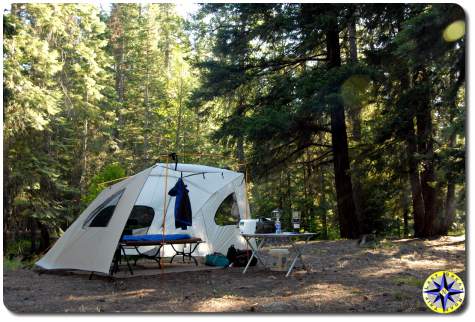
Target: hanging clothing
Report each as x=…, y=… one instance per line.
x=183, y=213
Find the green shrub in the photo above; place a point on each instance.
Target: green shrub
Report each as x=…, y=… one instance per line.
x=100, y=181
x=11, y=264
x=18, y=248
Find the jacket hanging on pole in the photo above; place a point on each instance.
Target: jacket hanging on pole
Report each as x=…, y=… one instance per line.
x=182, y=205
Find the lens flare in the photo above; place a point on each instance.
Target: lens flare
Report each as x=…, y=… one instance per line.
x=354, y=90
x=454, y=31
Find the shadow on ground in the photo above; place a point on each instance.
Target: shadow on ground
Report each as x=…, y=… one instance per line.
x=345, y=278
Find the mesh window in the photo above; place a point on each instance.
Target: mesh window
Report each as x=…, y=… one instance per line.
x=140, y=220
x=228, y=212
x=101, y=216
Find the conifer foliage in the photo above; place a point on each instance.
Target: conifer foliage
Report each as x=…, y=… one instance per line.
x=352, y=114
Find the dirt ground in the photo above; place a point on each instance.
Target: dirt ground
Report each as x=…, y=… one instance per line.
x=345, y=277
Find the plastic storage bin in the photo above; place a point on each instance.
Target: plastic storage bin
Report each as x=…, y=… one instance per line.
x=279, y=259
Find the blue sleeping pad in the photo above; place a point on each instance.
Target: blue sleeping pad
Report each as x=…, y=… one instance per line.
x=158, y=237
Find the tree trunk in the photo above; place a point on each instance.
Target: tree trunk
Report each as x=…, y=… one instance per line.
x=240, y=156
x=7, y=205
x=414, y=179
x=118, y=43
x=83, y=177
x=322, y=199
x=146, y=129
x=405, y=218
x=44, y=237
x=289, y=199
x=179, y=116
x=405, y=211
x=418, y=207
x=32, y=225
x=426, y=149
x=344, y=191
x=449, y=210
x=167, y=42
x=353, y=50
x=355, y=117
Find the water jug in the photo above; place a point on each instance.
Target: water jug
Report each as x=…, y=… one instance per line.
x=278, y=229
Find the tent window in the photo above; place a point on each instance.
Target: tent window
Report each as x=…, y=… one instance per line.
x=139, y=221
x=101, y=216
x=228, y=212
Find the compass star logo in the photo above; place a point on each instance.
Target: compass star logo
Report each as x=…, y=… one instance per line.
x=443, y=292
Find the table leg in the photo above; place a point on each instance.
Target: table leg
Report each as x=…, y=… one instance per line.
x=177, y=253
x=185, y=253
x=255, y=253
x=297, y=256
x=156, y=257
x=301, y=253
x=192, y=251
x=127, y=261
x=293, y=261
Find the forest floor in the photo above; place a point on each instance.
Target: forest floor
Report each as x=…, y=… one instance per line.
x=383, y=277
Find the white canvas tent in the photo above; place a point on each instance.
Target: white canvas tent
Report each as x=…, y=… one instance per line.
x=86, y=246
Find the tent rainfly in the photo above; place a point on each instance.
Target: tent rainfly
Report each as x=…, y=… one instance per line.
x=90, y=242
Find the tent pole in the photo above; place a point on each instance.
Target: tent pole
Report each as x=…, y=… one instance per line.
x=246, y=212
x=165, y=206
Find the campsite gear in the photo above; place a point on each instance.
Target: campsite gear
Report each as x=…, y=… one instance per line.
x=257, y=241
x=159, y=240
x=277, y=214
x=216, y=259
x=265, y=226
x=174, y=157
x=183, y=213
x=239, y=258
x=247, y=226
x=296, y=220
x=231, y=254
x=155, y=237
x=278, y=230
x=83, y=247
x=279, y=259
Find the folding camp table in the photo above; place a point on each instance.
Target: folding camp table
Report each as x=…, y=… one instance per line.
x=285, y=237
x=135, y=244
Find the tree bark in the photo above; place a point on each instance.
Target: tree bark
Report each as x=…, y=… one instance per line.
x=344, y=191
x=117, y=40
x=418, y=207
x=449, y=210
x=7, y=195
x=32, y=225
x=146, y=129
x=414, y=179
x=353, y=49
x=405, y=211
x=179, y=116
x=240, y=156
x=44, y=237
x=355, y=117
x=426, y=149
x=83, y=176
x=322, y=199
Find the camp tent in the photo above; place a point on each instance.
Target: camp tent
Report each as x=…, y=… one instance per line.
x=90, y=242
